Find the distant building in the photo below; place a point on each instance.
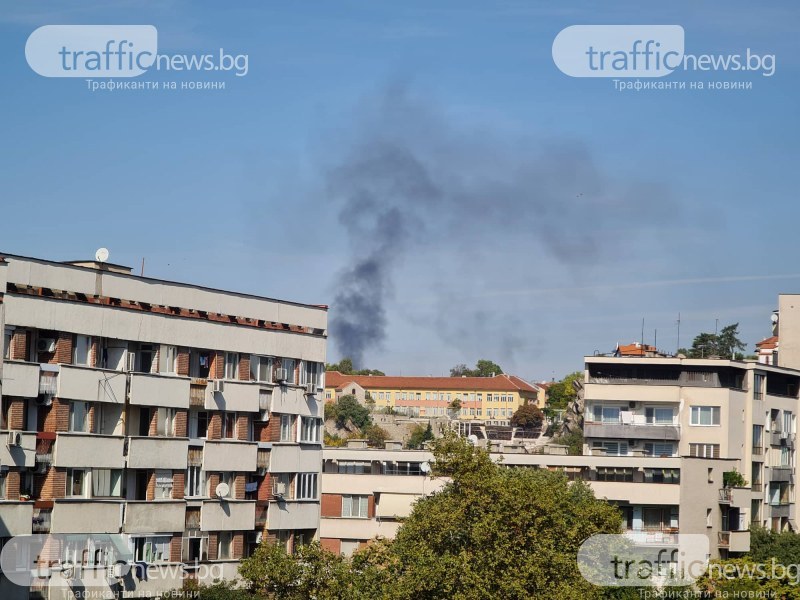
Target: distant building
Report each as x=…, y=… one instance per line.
x=767, y=350
x=637, y=349
x=480, y=398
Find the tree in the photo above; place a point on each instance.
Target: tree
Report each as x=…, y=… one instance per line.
x=345, y=367
x=375, y=435
x=483, y=368
x=527, y=415
x=733, y=479
x=562, y=393
x=572, y=440
x=726, y=344
x=348, y=408
x=419, y=435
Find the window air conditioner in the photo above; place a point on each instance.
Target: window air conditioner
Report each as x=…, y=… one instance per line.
x=45, y=345
x=311, y=389
x=279, y=489
x=217, y=386
x=14, y=438
x=281, y=375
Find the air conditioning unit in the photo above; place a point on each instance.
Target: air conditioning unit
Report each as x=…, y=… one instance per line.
x=281, y=375
x=14, y=438
x=118, y=570
x=44, y=400
x=263, y=415
x=45, y=345
x=632, y=404
x=311, y=389
x=279, y=489
x=217, y=386
x=130, y=364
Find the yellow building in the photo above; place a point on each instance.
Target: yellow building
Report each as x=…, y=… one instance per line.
x=474, y=398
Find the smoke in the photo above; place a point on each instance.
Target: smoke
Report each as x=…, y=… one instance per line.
x=411, y=180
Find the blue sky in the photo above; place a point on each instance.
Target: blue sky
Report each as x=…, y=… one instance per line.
x=585, y=209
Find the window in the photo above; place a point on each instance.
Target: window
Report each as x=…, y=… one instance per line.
x=151, y=549
x=76, y=483
x=614, y=474
x=354, y=467
x=195, y=482
x=226, y=477
x=612, y=448
x=306, y=486
x=309, y=430
x=758, y=386
x=231, y=365
x=261, y=368
x=146, y=353
x=758, y=435
x=704, y=450
x=287, y=425
x=606, y=414
x=106, y=483
x=355, y=507
x=224, y=545
x=288, y=365
x=198, y=424
x=195, y=549
x=662, y=476
x=8, y=335
x=82, y=351
x=168, y=359
x=659, y=449
x=229, y=425
x=313, y=373
x=165, y=421
x=163, y=484
x=786, y=457
x=788, y=422
x=79, y=416
x=659, y=416
x=705, y=415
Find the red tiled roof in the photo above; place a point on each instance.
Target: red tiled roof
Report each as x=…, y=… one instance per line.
x=769, y=343
x=500, y=383
x=635, y=349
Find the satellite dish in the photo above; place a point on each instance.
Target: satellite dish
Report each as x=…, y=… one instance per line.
x=222, y=490
x=473, y=439
x=101, y=255
x=774, y=318
x=425, y=467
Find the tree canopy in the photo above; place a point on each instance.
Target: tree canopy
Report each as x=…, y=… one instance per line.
x=348, y=408
x=419, y=435
x=483, y=368
x=726, y=344
x=527, y=415
x=345, y=367
x=561, y=393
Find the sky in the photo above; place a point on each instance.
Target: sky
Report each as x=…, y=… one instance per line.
x=426, y=170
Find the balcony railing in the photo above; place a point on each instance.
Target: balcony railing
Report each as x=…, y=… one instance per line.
x=756, y=487
x=758, y=450
x=41, y=521
x=724, y=538
x=725, y=496
x=781, y=474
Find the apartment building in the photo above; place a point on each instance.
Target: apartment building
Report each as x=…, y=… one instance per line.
x=171, y=424
x=492, y=399
x=367, y=492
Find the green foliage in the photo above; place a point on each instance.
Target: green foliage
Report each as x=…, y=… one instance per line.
x=561, y=393
x=573, y=441
x=375, y=435
x=348, y=408
x=740, y=577
x=455, y=404
x=527, y=415
x=766, y=545
x=345, y=367
x=733, y=479
x=333, y=441
x=483, y=368
x=419, y=435
x=725, y=344
x=224, y=590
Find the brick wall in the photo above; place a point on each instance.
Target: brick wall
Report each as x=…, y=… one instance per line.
x=175, y=548
x=94, y=354
x=331, y=505
x=213, y=482
x=181, y=422
x=57, y=418
x=238, y=486
x=237, y=545
x=151, y=486
x=371, y=506
x=212, y=546
x=264, y=491
x=52, y=485
x=217, y=365
x=63, y=353
x=244, y=367
x=182, y=364
x=91, y=417
x=242, y=426
x=272, y=431
x=16, y=414
x=19, y=345
x=12, y=485
x=153, y=423
x=214, y=426
x=178, y=484
x=331, y=544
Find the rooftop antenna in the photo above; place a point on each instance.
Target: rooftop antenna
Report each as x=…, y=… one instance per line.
x=679, y=334
x=101, y=255
x=655, y=340
x=141, y=272
x=642, y=332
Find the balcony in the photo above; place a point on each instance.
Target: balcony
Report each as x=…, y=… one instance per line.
x=23, y=455
x=781, y=474
x=228, y=515
x=91, y=385
x=86, y=516
x=235, y=396
x=783, y=509
x=295, y=459
x=16, y=518
x=739, y=541
x=159, y=390
x=89, y=450
x=723, y=539
x=293, y=515
x=725, y=496
x=641, y=431
x=230, y=456
x=21, y=379
x=157, y=453
x=155, y=517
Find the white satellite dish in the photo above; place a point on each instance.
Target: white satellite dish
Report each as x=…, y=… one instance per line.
x=425, y=467
x=222, y=490
x=473, y=439
x=101, y=255
x=774, y=318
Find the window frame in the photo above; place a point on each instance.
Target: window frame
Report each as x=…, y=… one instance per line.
x=696, y=413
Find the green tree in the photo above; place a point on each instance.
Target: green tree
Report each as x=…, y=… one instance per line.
x=572, y=440
x=733, y=479
x=375, y=435
x=345, y=367
x=766, y=545
x=561, y=393
x=419, y=435
x=483, y=368
x=527, y=415
x=726, y=344
x=348, y=408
